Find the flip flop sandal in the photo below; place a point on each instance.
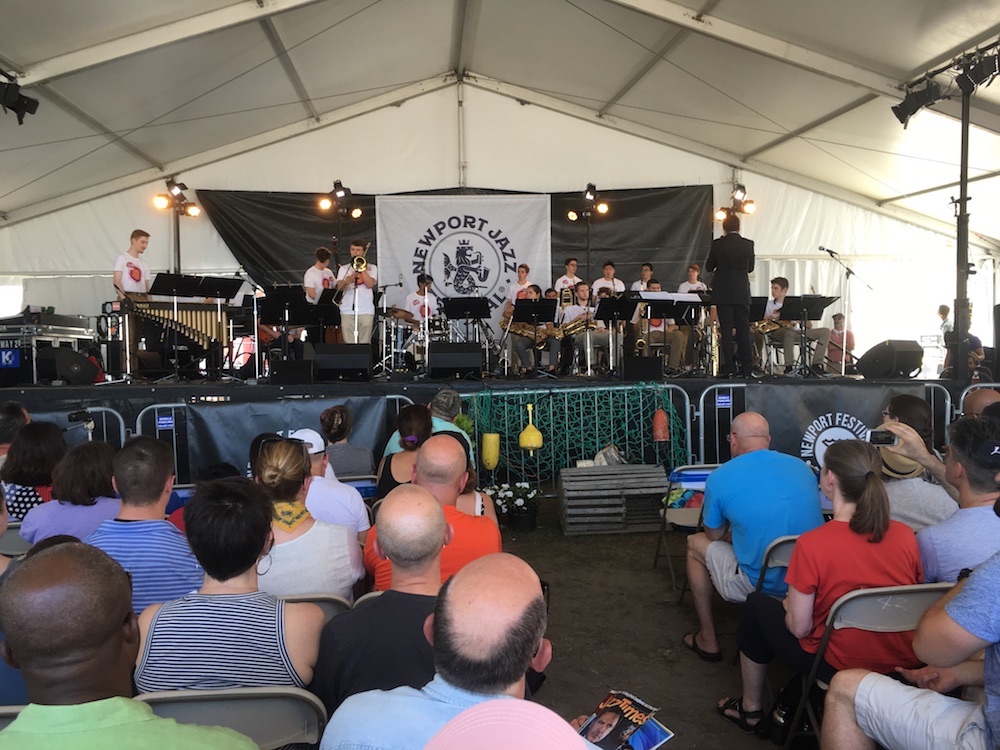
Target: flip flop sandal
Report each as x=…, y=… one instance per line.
x=702, y=653
x=740, y=720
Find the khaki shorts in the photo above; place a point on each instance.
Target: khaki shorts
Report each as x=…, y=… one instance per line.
x=727, y=575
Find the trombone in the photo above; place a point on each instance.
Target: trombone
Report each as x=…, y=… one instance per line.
x=360, y=264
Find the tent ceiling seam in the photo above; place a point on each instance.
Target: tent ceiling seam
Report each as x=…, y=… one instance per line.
x=288, y=66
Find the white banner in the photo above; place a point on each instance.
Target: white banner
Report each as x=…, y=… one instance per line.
x=471, y=245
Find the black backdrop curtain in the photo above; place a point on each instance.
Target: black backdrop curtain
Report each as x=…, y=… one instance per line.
x=274, y=235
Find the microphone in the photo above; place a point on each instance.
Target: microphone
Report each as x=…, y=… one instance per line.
x=828, y=251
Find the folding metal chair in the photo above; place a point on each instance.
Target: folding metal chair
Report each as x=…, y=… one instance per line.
x=8, y=714
x=777, y=555
x=691, y=477
x=331, y=604
x=886, y=609
x=270, y=716
x=367, y=598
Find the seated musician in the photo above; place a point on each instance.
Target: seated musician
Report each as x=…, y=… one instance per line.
x=786, y=332
x=574, y=327
x=523, y=338
x=841, y=344
x=663, y=332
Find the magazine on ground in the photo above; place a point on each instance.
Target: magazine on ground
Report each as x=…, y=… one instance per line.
x=623, y=722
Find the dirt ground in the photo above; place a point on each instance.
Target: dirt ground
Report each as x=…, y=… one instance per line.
x=614, y=624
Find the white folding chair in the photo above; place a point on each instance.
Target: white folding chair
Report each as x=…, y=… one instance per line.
x=886, y=609
x=270, y=716
x=8, y=714
x=692, y=477
x=11, y=543
x=331, y=604
x=777, y=555
x=367, y=598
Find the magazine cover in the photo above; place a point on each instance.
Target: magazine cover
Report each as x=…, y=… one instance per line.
x=623, y=722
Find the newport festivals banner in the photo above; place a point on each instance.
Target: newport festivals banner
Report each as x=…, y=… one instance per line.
x=471, y=245
x=806, y=419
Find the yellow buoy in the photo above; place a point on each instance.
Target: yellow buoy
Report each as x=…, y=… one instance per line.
x=491, y=450
x=530, y=438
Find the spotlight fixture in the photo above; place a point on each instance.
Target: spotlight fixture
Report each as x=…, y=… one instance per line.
x=748, y=207
x=175, y=188
x=12, y=99
x=175, y=199
x=192, y=210
x=590, y=194
x=572, y=215
x=739, y=192
x=339, y=191
x=356, y=212
x=325, y=203
x=915, y=100
x=722, y=214
x=161, y=201
x=978, y=73
x=602, y=208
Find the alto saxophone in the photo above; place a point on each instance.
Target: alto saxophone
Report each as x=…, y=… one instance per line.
x=642, y=341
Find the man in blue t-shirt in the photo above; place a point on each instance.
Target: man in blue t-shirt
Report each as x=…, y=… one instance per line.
x=753, y=499
x=863, y=707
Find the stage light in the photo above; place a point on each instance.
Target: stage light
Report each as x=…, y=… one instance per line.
x=572, y=215
x=602, y=208
x=11, y=98
x=739, y=192
x=192, y=210
x=175, y=188
x=590, y=194
x=915, y=100
x=356, y=213
x=978, y=73
x=161, y=201
x=339, y=191
x=325, y=203
x=722, y=214
x=749, y=207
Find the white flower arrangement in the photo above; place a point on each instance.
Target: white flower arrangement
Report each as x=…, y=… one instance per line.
x=518, y=498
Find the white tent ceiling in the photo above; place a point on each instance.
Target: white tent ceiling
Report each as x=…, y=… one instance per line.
x=799, y=91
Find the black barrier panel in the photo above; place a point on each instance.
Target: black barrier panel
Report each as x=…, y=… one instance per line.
x=223, y=432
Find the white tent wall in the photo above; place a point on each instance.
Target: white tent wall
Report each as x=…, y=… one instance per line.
x=505, y=144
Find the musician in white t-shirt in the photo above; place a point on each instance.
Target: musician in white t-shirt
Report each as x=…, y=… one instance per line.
x=569, y=279
x=131, y=279
x=416, y=305
x=645, y=276
x=608, y=281
x=694, y=282
x=575, y=345
x=664, y=332
x=319, y=276
x=518, y=290
x=358, y=289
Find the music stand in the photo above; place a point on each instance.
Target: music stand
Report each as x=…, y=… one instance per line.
x=533, y=312
x=175, y=285
x=286, y=307
x=476, y=309
x=805, y=308
x=758, y=307
x=220, y=288
x=612, y=310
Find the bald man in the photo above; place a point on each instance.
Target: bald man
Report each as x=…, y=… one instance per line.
x=756, y=497
x=67, y=615
x=441, y=469
x=978, y=400
x=486, y=630
x=381, y=645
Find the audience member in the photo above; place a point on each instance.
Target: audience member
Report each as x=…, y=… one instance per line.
x=415, y=426
x=971, y=535
x=255, y=446
x=309, y=556
x=221, y=470
x=345, y=459
x=863, y=708
x=444, y=407
x=860, y=548
x=441, y=469
x=381, y=644
x=914, y=498
x=330, y=500
x=83, y=495
x=13, y=417
x=976, y=401
x=756, y=497
x=473, y=502
x=149, y=547
x=503, y=724
x=486, y=630
x=78, y=668
x=27, y=473
x=246, y=638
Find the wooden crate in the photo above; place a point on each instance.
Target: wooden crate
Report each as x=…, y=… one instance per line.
x=612, y=499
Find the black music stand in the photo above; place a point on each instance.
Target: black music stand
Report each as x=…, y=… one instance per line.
x=612, y=310
x=758, y=307
x=476, y=309
x=286, y=307
x=175, y=285
x=535, y=312
x=805, y=308
x=219, y=288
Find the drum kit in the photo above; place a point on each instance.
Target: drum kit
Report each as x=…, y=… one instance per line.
x=405, y=338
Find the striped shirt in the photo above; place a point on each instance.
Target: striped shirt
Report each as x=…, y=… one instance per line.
x=156, y=555
x=214, y=642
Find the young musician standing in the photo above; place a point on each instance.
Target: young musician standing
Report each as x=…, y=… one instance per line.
x=360, y=294
x=318, y=276
x=131, y=279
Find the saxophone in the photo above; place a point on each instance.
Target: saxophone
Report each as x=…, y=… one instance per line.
x=642, y=340
x=577, y=325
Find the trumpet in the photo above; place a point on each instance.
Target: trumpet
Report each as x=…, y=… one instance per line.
x=359, y=262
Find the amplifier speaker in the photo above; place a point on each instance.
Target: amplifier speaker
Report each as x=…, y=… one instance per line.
x=891, y=359
x=15, y=364
x=62, y=363
x=643, y=368
x=291, y=372
x=343, y=362
x=455, y=360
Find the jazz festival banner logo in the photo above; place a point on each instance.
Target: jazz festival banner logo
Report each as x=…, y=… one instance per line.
x=470, y=245
x=827, y=429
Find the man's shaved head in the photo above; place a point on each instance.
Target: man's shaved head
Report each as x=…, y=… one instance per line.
x=64, y=606
x=411, y=526
x=488, y=623
x=441, y=463
x=749, y=432
x=978, y=400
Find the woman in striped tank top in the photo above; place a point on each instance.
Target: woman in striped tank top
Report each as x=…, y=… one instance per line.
x=228, y=634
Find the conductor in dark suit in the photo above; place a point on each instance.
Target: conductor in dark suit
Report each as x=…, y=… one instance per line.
x=731, y=258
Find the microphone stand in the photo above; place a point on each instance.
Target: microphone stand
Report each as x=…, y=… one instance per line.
x=848, y=274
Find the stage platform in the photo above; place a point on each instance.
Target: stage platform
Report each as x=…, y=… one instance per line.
x=210, y=421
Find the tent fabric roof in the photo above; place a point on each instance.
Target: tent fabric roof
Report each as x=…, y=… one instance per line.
x=133, y=92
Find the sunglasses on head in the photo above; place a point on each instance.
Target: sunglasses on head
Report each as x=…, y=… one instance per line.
x=276, y=440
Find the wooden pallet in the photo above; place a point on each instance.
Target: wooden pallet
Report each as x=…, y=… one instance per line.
x=612, y=499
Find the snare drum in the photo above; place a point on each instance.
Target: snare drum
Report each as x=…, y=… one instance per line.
x=437, y=327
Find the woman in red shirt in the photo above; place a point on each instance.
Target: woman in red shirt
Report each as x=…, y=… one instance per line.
x=860, y=548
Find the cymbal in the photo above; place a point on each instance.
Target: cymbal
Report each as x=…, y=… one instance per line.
x=395, y=312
